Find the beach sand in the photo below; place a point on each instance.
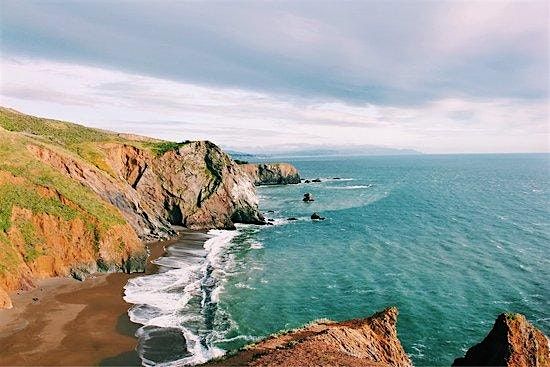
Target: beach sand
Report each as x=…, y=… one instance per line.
x=67, y=322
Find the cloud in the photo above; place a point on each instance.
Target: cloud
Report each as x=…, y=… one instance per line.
x=406, y=53
x=251, y=120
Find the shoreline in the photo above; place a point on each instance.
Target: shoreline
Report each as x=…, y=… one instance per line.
x=64, y=321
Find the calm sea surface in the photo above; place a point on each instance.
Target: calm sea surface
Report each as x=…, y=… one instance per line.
x=451, y=240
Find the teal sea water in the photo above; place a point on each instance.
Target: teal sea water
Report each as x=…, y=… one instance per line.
x=451, y=240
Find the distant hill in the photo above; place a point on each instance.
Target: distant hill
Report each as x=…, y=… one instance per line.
x=323, y=152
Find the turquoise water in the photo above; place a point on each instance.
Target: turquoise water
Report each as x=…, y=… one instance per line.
x=451, y=240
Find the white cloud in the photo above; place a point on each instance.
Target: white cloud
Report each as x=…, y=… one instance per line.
x=245, y=119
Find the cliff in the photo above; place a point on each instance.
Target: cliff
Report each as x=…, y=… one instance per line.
x=272, y=173
x=361, y=342
x=75, y=200
x=512, y=342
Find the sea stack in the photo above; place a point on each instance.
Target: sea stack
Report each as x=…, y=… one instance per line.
x=308, y=197
x=512, y=342
x=316, y=216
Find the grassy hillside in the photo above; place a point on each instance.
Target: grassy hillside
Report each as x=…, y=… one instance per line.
x=36, y=199
x=75, y=138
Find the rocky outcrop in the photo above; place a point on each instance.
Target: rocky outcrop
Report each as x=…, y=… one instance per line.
x=272, y=173
x=361, y=342
x=196, y=185
x=512, y=342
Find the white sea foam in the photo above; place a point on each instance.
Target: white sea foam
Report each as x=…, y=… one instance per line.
x=256, y=245
x=352, y=187
x=163, y=299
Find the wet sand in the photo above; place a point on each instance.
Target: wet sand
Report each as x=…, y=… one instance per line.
x=67, y=322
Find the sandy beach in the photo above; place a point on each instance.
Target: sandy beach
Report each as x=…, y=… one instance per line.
x=67, y=322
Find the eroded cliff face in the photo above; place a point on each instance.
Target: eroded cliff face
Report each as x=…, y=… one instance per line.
x=361, y=342
x=512, y=342
x=75, y=200
x=272, y=173
x=51, y=235
x=196, y=185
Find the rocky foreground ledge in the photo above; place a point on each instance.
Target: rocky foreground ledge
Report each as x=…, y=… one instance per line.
x=373, y=341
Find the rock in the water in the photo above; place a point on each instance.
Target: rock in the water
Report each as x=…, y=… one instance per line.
x=272, y=173
x=308, y=197
x=513, y=342
x=361, y=342
x=307, y=181
x=316, y=180
x=292, y=218
x=336, y=178
x=316, y=216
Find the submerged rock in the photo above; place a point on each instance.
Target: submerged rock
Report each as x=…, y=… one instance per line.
x=370, y=341
x=307, y=181
x=512, y=342
x=292, y=218
x=316, y=180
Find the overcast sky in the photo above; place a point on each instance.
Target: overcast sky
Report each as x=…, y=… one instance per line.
x=440, y=77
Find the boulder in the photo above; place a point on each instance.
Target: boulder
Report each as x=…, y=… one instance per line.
x=316, y=216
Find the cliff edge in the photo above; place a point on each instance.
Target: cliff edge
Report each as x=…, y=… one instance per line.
x=370, y=341
x=512, y=342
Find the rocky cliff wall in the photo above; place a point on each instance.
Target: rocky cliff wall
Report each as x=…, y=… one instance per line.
x=195, y=185
x=272, y=173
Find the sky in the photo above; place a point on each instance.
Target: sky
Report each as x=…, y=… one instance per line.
x=438, y=77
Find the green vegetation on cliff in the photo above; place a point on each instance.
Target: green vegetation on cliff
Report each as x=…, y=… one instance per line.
x=35, y=195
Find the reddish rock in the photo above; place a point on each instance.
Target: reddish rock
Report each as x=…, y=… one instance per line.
x=361, y=342
x=513, y=342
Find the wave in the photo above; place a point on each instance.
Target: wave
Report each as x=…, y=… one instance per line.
x=177, y=305
x=353, y=187
x=256, y=246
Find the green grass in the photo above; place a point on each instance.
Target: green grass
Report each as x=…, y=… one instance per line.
x=31, y=239
x=61, y=133
x=159, y=148
x=81, y=140
x=28, y=198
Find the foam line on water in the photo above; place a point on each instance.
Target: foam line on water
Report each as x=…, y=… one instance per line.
x=171, y=299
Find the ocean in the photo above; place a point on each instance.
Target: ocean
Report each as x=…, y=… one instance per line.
x=451, y=240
